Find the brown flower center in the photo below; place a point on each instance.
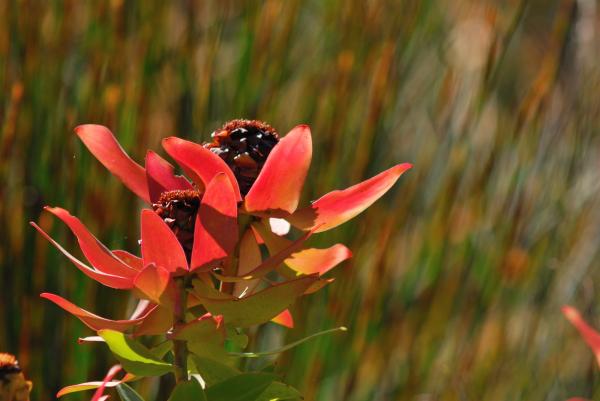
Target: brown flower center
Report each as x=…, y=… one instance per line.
x=178, y=209
x=244, y=145
x=8, y=365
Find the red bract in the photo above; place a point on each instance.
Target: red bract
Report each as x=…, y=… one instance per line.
x=589, y=335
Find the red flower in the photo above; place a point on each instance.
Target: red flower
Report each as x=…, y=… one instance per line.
x=273, y=193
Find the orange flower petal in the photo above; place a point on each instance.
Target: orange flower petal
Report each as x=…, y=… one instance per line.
x=108, y=280
x=278, y=186
x=590, y=336
x=313, y=260
x=104, y=146
x=91, y=320
x=215, y=232
x=161, y=176
x=199, y=163
x=160, y=245
x=285, y=319
x=337, y=207
x=96, y=253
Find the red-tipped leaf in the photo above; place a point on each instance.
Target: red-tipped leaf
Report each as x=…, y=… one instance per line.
x=100, y=257
x=313, y=260
x=285, y=319
x=91, y=320
x=108, y=280
x=160, y=245
x=99, y=394
x=590, y=336
x=215, y=231
x=278, y=186
x=131, y=260
x=339, y=206
x=105, y=147
x=199, y=163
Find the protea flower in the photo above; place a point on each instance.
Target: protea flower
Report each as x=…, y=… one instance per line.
x=13, y=386
x=267, y=175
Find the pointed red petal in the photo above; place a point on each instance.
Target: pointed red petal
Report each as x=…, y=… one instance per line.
x=152, y=281
x=133, y=261
x=91, y=320
x=285, y=319
x=108, y=280
x=590, y=336
x=104, y=146
x=161, y=176
x=160, y=245
x=96, y=253
x=250, y=257
x=215, y=232
x=99, y=394
x=280, y=181
x=337, y=207
x=313, y=260
x=199, y=163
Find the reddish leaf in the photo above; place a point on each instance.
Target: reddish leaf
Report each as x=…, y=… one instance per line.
x=313, y=260
x=104, y=146
x=249, y=257
x=74, y=388
x=131, y=260
x=97, y=254
x=260, y=307
x=306, y=261
x=215, y=231
x=269, y=264
x=337, y=207
x=205, y=327
x=199, y=163
x=91, y=320
x=161, y=177
x=157, y=322
x=152, y=281
x=108, y=280
x=98, y=395
x=280, y=181
x=160, y=245
x=590, y=336
x=285, y=319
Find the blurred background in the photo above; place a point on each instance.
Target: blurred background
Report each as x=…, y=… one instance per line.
x=459, y=272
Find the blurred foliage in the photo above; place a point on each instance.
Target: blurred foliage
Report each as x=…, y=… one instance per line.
x=459, y=273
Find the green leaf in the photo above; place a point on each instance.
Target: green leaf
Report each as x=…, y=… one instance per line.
x=134, y=357
x=260, y=307
x=127, y=393
x=235, y=341
x=287, y=346
x=279, y=391
x=162, y=349
x=244, y=387
x=188, y=391
x=211, y=371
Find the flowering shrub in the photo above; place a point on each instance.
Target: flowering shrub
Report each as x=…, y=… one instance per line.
x=201, y=277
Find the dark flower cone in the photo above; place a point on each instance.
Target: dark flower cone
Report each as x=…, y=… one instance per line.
x=178, y=209
x=244, y=145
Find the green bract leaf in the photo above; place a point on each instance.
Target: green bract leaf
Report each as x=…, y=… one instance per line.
x=244, y=387
x=212, y=372
x=127, y=393
x=260, y=307
x=188, y=391
x=134, y=357
x=286, y=347
x=278, y=391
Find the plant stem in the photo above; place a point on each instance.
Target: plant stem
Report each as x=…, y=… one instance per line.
x=180, y=350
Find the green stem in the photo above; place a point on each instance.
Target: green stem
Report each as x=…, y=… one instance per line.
x=180, y=350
